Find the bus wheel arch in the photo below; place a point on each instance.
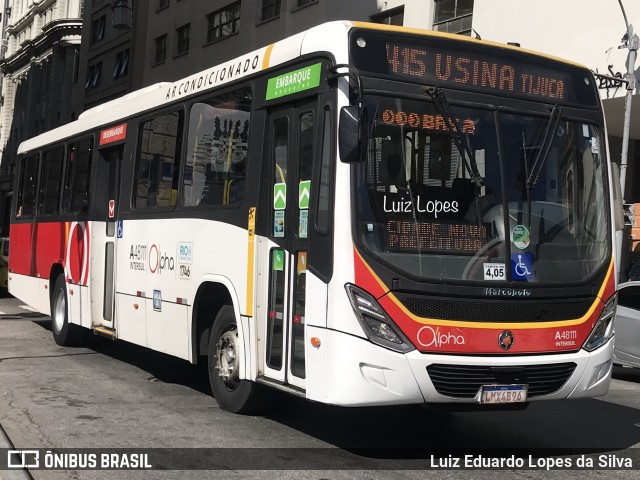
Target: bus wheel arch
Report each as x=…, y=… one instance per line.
x=209, y=299
x=56, y=271
x=232, y=393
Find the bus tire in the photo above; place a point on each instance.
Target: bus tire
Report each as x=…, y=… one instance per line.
x=65, y=334
x=232, y=394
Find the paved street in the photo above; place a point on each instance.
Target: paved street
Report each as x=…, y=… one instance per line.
x=115, y=395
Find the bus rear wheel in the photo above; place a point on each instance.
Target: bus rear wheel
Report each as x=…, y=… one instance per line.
x=231, y=393
x=65, y=334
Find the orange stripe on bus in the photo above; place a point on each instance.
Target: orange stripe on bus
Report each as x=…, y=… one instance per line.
x=502, y=325
x=267, y=57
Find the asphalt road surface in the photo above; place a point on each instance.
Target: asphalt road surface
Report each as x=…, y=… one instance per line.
x=113, y=395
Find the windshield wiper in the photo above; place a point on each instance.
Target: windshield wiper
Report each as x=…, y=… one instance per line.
x=442, y=105
x=543, y=153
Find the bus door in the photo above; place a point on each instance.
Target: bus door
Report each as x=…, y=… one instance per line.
x=103, y=237
x=290, y=143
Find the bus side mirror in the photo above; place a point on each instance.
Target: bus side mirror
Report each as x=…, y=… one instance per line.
x=353, y=137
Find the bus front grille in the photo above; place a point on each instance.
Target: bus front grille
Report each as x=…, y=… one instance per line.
x=464, y=381
x=495, y=311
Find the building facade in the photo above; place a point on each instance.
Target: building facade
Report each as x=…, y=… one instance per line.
x=186, y=36
x=109, y=57
x=40, y=73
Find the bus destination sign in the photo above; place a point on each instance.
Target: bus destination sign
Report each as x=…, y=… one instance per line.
x=473, y=70
x=434, y=61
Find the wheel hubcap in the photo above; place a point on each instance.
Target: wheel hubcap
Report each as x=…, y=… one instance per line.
x=59, y=311
x=227, y=360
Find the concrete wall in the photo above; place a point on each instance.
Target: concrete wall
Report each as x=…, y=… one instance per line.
x=586, y=31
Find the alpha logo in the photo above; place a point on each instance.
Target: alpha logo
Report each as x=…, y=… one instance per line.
x=428, y=337
x=159, y=262
x=505, y=340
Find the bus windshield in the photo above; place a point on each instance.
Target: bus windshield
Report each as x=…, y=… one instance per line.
x=538, y=213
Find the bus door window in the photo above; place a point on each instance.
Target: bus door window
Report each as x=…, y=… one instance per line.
x=276, y=312
x=112, y=156
x=277, y=292
x=320, y=243
x=292, y=145
x=304, y=170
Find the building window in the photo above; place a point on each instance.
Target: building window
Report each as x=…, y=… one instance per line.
x=304, y=3
x=76, y=66
x=453, y=16
x=94, y=76
x=162, y=4
x=270, y=9
x=395, y=16
x=161, y=49
x=182, y=39
x=97, y=29
x=224, y=22
x=121, y=68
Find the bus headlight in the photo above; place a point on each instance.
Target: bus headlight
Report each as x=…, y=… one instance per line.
x=603, y=329
x=375, y=322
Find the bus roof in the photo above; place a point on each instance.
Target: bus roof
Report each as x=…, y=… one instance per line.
x=329, y=37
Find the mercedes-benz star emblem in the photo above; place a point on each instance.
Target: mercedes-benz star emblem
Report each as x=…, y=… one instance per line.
x=505, y=340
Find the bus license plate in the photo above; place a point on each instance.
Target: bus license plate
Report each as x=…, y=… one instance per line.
x=503, y=393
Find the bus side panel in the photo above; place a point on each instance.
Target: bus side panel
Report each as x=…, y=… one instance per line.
x=20, y=260
x=85, y=307
x=44, y=244
x=169, y=260
x=131, y=315
x=74, y=304
x=49, y=241
x=167, y=330
x=32, y=291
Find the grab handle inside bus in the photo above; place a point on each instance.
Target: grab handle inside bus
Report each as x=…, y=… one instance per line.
x=353, y=138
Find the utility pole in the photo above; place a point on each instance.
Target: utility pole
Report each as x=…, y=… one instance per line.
x=630, y=41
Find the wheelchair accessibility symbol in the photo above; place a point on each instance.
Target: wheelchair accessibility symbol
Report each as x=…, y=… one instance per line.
x=522, y=266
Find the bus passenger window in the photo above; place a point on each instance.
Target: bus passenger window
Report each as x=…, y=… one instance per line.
x=27, y=194
x=217, y=148
x=50, y=181
x=158, y=161
x=75, y=198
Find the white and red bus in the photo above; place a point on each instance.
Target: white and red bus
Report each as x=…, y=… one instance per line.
x=358, y=214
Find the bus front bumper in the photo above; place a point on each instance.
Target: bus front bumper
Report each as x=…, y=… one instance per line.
x=360, y=373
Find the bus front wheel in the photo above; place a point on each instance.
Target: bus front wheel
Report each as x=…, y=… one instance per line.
x=64, y=333
x=232, y=393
